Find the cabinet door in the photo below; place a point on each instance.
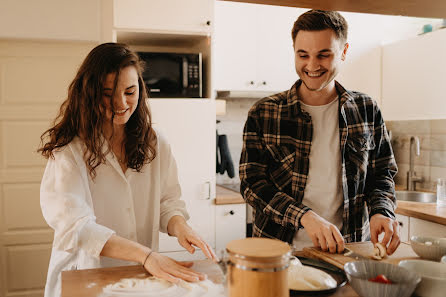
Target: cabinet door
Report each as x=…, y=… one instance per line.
x=404, y=227
x=230, y=223
x=189, y=126
x=234, y=45
x=275, y=52
x=194, y=16
x=414, y=78
x=420, y=227
x=253, y=47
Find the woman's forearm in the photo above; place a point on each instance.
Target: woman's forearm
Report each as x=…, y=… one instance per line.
x=123, y=249
x=174, y=223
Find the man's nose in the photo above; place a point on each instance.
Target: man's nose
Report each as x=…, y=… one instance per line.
x=313, y=64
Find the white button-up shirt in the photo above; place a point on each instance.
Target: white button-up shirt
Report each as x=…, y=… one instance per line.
x=85, y=212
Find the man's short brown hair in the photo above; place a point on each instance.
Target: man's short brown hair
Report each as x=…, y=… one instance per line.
x=318, y=20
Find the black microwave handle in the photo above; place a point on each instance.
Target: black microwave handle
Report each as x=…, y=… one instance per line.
x=185, y=73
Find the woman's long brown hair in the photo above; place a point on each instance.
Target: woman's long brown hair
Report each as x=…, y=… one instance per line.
x=82, y=114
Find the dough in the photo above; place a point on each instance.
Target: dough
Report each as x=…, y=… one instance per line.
x=153, y=286
x=306, y=278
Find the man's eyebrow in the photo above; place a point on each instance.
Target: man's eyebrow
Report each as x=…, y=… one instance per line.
x=325, y=50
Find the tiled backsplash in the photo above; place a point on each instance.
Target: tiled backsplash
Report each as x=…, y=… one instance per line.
x=232, y=125
x=431, y=164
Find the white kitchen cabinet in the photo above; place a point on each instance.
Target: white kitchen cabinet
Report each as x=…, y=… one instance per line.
x=404, y=227
x=230, y=224
x=420, y=227
x=189, y=126
x=51, y=19
x=253, y=47
x=192, y=16
x=414, y=78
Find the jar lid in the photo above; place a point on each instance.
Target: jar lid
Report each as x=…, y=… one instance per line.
x=255, y=247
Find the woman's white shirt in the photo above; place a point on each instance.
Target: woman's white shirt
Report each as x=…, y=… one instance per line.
x=85, y=212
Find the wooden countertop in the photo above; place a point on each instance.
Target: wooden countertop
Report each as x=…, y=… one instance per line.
x=90, y=282
x=225, y=196
x=425, y=211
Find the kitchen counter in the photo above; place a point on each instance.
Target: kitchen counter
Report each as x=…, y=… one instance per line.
x=424, y=211
x=89, y=282
x=226, y=196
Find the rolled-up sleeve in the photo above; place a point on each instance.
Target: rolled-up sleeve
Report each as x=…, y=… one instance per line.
x=67, y=208
x=170, y=202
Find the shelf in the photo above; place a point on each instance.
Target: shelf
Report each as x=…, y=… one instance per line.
x=160, y=38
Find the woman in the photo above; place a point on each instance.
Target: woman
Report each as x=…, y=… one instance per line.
x=111, y=182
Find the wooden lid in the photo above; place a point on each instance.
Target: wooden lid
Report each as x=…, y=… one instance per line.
x=258, y=247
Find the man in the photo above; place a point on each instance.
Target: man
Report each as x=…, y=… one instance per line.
x=317, y=165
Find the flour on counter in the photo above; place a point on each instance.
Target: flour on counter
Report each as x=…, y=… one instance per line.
x=152, y=286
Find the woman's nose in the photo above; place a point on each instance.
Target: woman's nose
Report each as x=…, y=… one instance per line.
x=120, y=101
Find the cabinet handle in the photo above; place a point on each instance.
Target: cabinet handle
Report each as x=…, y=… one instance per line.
x=251, y=82
x=209, y=190
x=400, y=223
x=264, y=83
x=231, y=212
x=208, y=23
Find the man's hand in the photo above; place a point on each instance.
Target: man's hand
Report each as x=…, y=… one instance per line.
x=380, y=223
x=188, y=238
x=323, y=233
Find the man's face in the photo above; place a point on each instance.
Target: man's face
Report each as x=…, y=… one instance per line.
x=318, y=55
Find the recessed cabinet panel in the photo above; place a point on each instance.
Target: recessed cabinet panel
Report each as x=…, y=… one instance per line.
x=21, y=207
x=20, y=141
x=46, y=79
x=21, y=261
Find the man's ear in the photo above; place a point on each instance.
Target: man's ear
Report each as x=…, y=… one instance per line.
x=344, y=51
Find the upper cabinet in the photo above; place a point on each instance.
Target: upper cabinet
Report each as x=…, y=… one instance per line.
x=192, y=16
x=253, y=47
x=50, y=19
x=414, y=78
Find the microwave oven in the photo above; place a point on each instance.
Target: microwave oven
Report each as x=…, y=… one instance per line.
x=173, y=75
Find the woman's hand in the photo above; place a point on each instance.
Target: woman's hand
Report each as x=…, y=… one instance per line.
x=188, y=238
x=171, y=270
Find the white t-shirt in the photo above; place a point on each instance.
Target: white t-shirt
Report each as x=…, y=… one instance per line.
x=323, y=191
x=84, y=213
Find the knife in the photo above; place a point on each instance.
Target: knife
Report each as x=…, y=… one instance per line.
x=349, y=253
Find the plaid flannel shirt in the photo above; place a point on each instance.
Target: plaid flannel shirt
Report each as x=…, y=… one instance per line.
x=274, y=164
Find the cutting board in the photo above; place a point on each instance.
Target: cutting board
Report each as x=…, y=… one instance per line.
x=365, y=249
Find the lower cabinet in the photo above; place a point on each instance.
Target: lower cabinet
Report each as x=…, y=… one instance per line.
x=425, y=228
x=230, y=224
x=404, y=227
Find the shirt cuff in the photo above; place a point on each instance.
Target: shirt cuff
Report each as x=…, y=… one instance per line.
x=164, y=220
x=383, y=211
x=93, y=238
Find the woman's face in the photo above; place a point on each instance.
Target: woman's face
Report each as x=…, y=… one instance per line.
x=125, y=99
